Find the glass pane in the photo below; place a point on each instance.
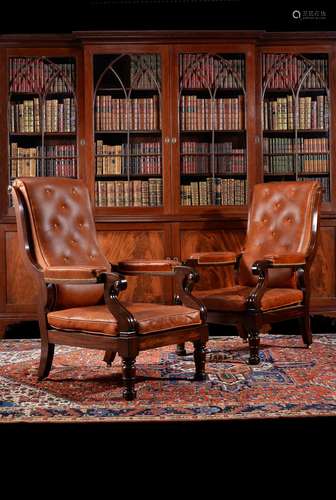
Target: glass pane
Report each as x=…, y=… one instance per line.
x=212, y=129
x=128, y=138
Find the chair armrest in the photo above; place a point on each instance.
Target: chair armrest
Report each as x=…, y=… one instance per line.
x=157, y=267
x=283, y=260
x=184, y=277
x=212, y=258
x=74, y=275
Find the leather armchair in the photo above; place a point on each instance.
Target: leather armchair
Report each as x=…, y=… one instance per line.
x=79, y=289
x=272, y=270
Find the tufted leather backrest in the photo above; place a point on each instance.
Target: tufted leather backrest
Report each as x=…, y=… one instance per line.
x=280, y=221
x=63, y=231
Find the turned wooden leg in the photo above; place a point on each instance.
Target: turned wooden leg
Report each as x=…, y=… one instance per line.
x=199, y=357
x=181, y=350
x=129, y=371
x=254, y=341
x=307, y=336
x=109, y=357
x=47, y=355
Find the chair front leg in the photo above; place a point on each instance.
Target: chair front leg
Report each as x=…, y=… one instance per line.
x=254, y=342
x=306, y=329
x=47, y=356
x=199, y=358
x=129, y=372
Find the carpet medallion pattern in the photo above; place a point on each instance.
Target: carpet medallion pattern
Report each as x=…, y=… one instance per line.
x=291, y=381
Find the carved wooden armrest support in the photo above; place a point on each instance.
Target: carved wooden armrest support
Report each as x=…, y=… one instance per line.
x=212, y=258
x=185, y=279
x=156, y=267
x=261, y=267
x=114, y=283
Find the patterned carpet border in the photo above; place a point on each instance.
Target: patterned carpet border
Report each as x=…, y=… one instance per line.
x=291, y=381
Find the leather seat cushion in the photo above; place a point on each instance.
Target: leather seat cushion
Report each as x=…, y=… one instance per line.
x=98, y=319
x=234, y=298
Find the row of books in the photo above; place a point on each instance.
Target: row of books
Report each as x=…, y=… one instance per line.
x=40, y=75
x=200, y=157
x=195, y=147
x=204, y=70
x=289, y=71
x=278, y=145
x=214, y=191
x=37, y=161
x=127, y=114
x=285, y=164
x=313, y=113
x=135, y=193
x=145, y=71
x=212, y=114
x=54, y=115
x=139, y=158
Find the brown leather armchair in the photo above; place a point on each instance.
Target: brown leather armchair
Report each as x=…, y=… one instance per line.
x=78, y=292
x=272, y=271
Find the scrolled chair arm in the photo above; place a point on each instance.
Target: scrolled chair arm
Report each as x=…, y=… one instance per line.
x=114, y=283
x=185, y=278
x=156, y=267
x=213, y=258
x=294, y=260
x=259, y=268
x=73, y=275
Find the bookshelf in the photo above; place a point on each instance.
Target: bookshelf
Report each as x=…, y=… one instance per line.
x=296, y=118
x=213, y=160
x=42, y=117
x=170, y=130
x=127, y=130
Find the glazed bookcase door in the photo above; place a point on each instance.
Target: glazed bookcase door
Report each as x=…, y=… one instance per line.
x=212, y=129
x=128, y=149
x=296, y=118
x=42, y=117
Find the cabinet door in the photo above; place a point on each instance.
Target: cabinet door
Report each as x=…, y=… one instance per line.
x=214, y=97
x=130, y=106
x=42, y=114
x=296, y=103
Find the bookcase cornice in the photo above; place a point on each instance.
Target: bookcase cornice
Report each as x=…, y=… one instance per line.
x=62, y=40
x=171, y=36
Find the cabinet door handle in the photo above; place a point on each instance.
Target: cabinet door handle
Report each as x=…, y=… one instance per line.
x=173, y=140
x=167, y=140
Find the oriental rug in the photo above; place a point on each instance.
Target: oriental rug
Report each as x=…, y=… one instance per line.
x=291, y=381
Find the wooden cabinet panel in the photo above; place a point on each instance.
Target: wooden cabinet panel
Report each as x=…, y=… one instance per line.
x=138, y=244
x=20, y=286
x=323, y=268
x=203, y=240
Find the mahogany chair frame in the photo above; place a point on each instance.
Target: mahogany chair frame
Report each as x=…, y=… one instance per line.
x=250, y=322
x=129, y=342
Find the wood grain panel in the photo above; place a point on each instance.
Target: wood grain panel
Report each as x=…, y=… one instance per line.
x=133, y=244
x=212, y=240
x=323, y=268
x=20, y=286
